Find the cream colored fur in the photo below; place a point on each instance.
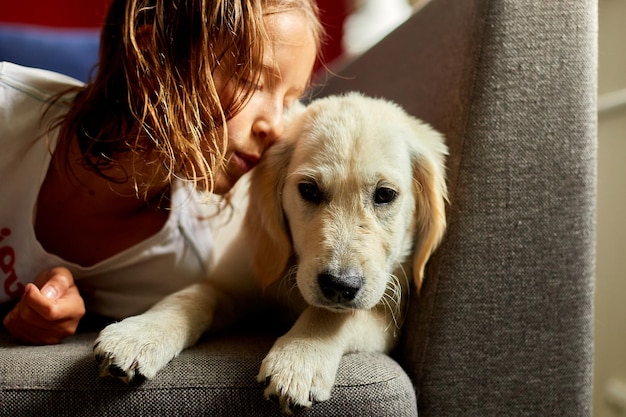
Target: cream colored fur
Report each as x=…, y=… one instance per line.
x=349, y=207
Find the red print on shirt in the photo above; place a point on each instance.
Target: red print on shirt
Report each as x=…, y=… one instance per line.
x=7, y=261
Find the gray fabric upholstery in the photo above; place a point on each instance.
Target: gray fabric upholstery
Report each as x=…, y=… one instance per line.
x=503, y=325
x=215, y=378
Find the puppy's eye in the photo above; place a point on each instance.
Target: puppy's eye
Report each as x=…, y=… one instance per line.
x=310, y=192
x=384, y=195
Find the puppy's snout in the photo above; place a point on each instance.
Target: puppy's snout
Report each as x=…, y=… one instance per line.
x=339, y=289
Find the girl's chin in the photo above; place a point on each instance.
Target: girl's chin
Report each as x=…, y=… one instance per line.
x=224, y=183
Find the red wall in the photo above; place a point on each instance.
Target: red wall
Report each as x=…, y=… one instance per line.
x=62, y=13
x=333, y=13
x=91, y=13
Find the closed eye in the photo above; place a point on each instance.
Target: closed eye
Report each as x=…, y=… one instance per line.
x=309, y=191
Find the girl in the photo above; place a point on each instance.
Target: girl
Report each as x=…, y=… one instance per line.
x=102, y=179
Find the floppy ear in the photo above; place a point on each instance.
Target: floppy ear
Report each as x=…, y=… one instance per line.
x=431, y=194
x=270, y=240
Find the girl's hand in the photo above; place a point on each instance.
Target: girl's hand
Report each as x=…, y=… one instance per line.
x=49, y=310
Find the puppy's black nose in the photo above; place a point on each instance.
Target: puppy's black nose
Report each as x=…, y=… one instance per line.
x=339, y=289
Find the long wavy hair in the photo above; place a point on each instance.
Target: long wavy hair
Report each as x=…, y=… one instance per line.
x=154, y=97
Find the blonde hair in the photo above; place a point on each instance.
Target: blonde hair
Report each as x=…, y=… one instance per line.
x=154, y=95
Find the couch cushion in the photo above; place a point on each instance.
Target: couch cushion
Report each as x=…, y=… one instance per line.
x=217, y=377
x=72, y=52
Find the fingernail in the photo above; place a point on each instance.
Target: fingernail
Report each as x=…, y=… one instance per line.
x=49, y=292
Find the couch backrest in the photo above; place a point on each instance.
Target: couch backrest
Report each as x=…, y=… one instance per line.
x=504, y=324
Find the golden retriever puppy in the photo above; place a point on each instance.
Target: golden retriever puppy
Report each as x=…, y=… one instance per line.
x=348, y=207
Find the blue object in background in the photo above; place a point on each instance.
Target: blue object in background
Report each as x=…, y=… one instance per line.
x=72, y=52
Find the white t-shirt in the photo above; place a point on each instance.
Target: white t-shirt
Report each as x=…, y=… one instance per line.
x=123, y=285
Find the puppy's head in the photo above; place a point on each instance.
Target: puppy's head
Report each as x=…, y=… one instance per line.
x=355, y=188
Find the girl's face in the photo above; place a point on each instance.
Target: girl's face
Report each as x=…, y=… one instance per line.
x=287, y=64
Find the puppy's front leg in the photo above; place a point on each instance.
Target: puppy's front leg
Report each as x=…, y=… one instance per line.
x=143, y=344
x=300, y=368
x=140, y=346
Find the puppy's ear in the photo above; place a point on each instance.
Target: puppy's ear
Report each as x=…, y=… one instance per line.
x=431, y=194
x=270, y=240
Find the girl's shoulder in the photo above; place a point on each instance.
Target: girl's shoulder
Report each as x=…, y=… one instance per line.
x=25, y=94
x=33, y=83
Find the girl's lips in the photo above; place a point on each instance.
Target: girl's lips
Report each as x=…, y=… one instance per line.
x=245, y=162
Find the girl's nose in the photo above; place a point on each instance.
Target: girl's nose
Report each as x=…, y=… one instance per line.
x=269, y=127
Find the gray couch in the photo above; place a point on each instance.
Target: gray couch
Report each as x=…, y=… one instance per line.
x=503, y=326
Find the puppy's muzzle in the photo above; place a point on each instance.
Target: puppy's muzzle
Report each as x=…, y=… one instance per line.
x=339, y=289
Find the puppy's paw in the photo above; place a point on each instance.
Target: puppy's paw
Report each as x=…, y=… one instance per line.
x=299, y=373
x=135, y=348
